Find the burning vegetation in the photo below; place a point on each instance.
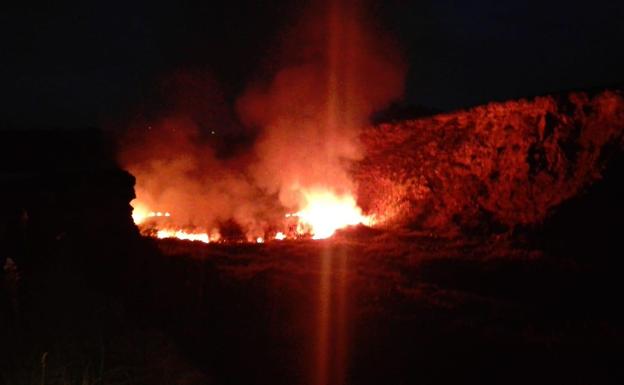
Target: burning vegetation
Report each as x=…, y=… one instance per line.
x=297, y=156
x=294, y=179
x=494, y=167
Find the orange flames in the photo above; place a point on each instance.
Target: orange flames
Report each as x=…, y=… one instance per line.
x=141, y=216
x=304, y=125
x=181, y=234
x=323, y=213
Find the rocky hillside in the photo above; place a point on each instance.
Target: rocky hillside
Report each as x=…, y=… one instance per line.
x=496, y=166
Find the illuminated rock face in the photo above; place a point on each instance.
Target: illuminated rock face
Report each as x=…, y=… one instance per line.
x=499, y=165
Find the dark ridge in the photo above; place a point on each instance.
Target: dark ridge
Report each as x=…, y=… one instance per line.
x=560, y=94
x=41, y=151
x=63, y=184
x=589, y=226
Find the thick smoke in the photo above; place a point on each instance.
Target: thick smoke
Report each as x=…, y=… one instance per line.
x=174, y=157
x=335, y=71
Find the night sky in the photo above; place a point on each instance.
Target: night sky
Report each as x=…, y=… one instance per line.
x=86, y=65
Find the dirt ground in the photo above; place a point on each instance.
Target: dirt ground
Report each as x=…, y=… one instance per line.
x=366, y=307
x=381, y=308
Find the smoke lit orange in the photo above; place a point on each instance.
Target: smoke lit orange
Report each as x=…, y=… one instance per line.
x=309, y=114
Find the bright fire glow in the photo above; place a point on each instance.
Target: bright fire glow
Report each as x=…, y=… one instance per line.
x=325, y=212
x=140, y=213
x=181, y=234
x=322, y=214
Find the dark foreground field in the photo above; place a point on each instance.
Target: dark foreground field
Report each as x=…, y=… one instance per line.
x=97, y=304
x=376, y=308
x=368, y=307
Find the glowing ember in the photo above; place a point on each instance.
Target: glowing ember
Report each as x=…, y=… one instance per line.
x=181, y=234
x=139, y=212
x=325, y=212
x=322, y=214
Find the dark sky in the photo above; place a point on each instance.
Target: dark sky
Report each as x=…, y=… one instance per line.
x=82, y=65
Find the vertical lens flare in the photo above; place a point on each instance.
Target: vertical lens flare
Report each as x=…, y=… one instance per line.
x=311, y=114
x=323, y=322
x=326, y=212
x=332, y=319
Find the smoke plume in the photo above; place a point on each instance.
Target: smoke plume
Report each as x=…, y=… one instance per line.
x=334, y=70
